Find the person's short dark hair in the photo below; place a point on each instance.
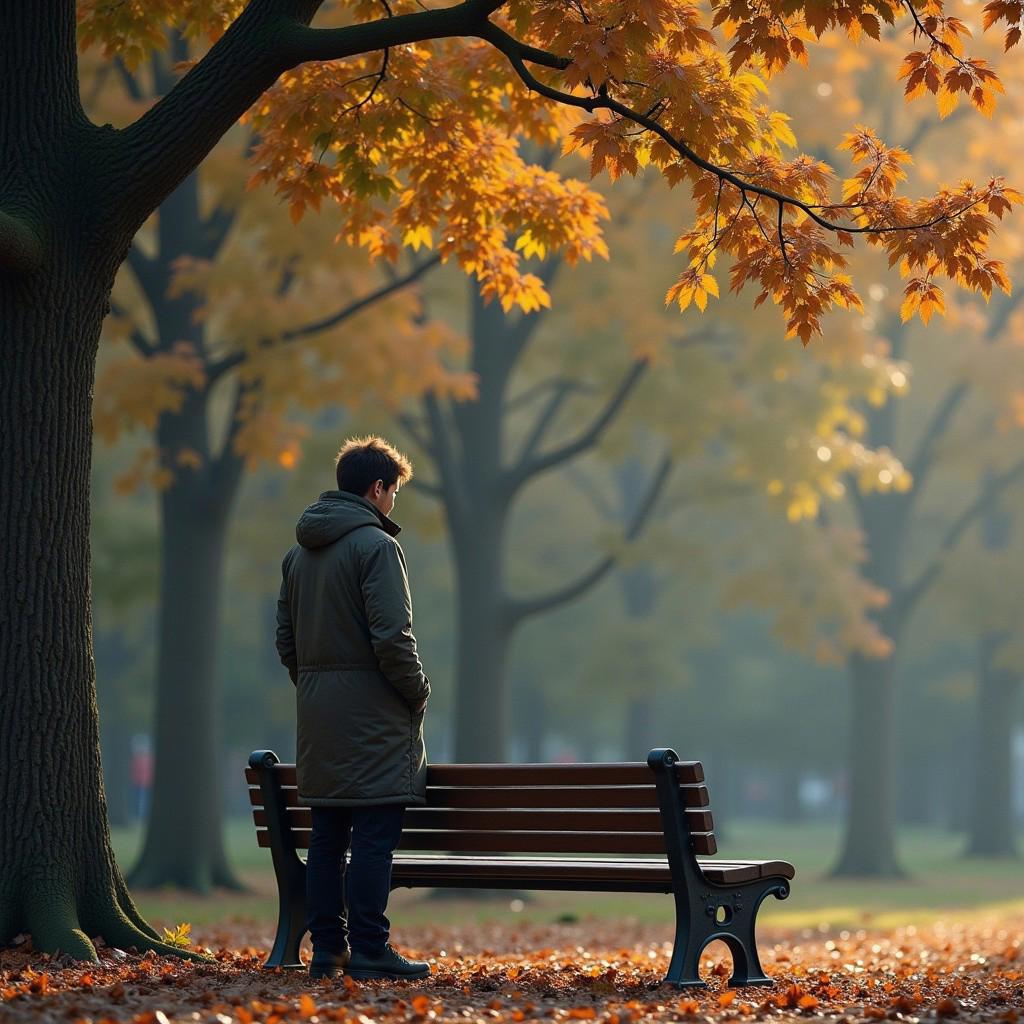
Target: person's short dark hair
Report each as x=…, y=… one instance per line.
x=363, y=461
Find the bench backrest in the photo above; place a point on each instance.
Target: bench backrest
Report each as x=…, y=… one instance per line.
x=522, y=808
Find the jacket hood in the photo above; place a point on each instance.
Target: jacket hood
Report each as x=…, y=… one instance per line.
x=337, y=513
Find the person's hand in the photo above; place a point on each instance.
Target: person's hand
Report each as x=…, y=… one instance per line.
x=419, y=709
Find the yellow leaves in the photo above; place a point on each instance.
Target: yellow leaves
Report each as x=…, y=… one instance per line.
x=692, y=286
x=417, y=236
x=180, y=936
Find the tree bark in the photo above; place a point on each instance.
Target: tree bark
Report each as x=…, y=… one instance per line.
x=869, y=843
x=990, y=806
x=58, y=876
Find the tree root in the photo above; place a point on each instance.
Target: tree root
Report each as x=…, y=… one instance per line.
x=58, y=926
x=119, y=931
x=55, y=928
x=130, y=911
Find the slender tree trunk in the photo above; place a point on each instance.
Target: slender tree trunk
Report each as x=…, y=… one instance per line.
x=482, y=647
x=990, y=805
x=58, y=876
x=869, y=843
x=184, y=840
x=642, y=730
x=792, y=810
x=532, y=716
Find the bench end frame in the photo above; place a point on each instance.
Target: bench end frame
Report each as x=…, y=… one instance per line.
x=288, y=865
x=705, y=910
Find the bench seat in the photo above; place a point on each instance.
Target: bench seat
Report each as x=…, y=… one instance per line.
x=591, y=874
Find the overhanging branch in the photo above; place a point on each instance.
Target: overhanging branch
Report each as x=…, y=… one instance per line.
x=519, y=54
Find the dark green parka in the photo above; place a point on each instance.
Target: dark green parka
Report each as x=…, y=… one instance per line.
x=344, y=631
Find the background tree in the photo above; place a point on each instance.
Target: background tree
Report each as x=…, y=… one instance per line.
x=552, y=389
x=212, y=372
x=947, y=407
x=431, y=150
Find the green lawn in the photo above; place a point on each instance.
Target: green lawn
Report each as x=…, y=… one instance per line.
x=941, y=884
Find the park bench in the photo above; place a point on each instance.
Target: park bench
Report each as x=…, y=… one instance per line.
x=591, y=827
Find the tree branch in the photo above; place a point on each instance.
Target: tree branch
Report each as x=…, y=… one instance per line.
x=534, y=391
x=395, y=285
x=912, y=594
x=446, y=460
x=138, y=340
x=429, y=490
x=215, y=230
x=414, y=431
x=924, y=457
x=235, y=359
x=21, y=248
x=128, y=80
x=529, y=468
x=544, y=420
x=518, y=54
x=159, y=150
x=519, y=609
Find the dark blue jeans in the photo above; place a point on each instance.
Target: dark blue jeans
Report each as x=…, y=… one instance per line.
x=346, y=906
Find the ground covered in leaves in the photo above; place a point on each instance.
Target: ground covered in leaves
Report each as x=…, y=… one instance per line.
x=605, y=971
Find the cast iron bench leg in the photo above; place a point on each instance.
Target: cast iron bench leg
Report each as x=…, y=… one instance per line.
x=697, y=926
x=288, y=866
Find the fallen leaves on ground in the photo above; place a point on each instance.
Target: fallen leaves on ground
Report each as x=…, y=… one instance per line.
x=604, y=971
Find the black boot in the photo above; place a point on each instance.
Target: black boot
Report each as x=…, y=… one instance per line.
x=389, y=963
x=327, y=965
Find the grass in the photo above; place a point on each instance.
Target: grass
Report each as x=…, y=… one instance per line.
x=941, y=884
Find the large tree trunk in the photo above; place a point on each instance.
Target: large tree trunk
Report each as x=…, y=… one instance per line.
x=58, y=877
x=184, y=840
x=990, y=806
x=869, y=842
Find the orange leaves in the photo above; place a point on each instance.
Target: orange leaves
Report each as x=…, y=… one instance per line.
x=947, y=80
x=1008, y=11
x=133, y=391
x=608, y=146
x=922, y=297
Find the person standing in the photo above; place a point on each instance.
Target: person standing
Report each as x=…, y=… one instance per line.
x=344, y=632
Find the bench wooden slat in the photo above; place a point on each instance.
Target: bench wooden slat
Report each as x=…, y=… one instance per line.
x=528, y=774
x=427, y=870
x=531, y=820
x=604, y=797
x=624, y=774
x=528, y=842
